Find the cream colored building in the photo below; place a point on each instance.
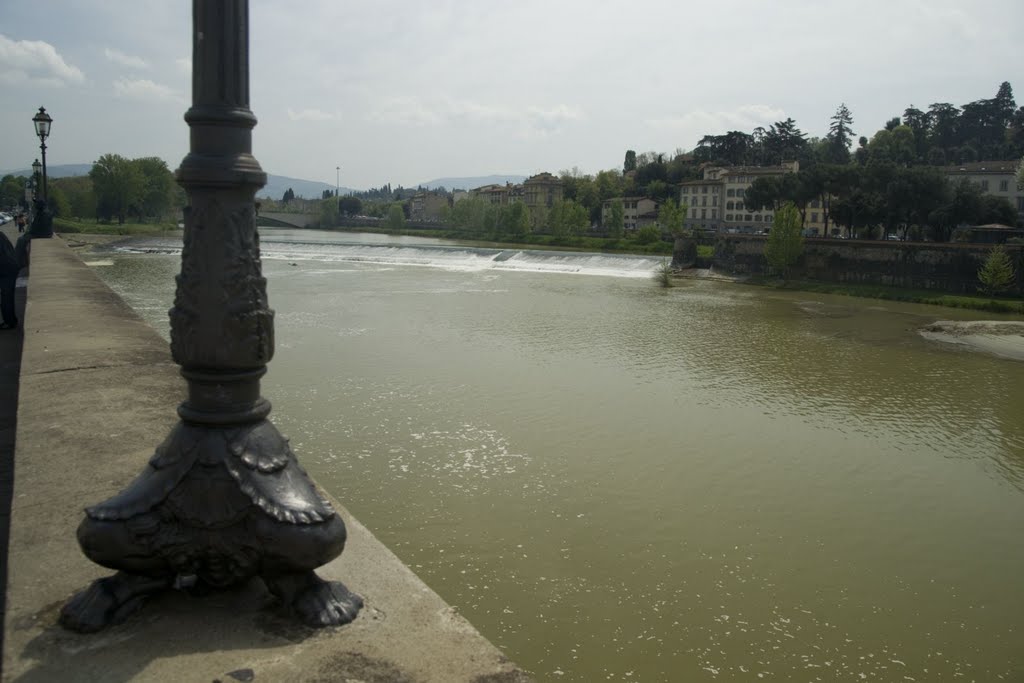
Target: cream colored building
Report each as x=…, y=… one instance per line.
x=636, y=212
x=996, y=178
x=716, y=202
x=495, y=194
x=427, y=206
x=540, y=192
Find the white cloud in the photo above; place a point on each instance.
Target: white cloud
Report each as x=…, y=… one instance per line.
x=145, y=89
x=701, y=122
x=313, y=114
x=130, y=61
x=527, y=121
x=24, y=61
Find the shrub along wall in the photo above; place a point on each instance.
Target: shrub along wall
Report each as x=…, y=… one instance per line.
x=945, y=267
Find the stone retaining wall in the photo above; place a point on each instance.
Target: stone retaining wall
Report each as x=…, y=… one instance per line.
x=918, y=265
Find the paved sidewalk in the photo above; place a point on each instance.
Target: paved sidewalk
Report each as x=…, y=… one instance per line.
x=10, y=365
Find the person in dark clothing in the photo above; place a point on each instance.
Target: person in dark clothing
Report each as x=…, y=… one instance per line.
x=12, y=259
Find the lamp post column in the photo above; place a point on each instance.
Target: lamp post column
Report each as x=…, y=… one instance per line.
x=223, y=499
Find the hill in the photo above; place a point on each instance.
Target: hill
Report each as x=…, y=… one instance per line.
x=471, y=182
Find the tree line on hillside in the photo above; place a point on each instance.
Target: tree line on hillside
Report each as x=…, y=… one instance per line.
x=912, y=202
x=890, y=183
x=986, y=129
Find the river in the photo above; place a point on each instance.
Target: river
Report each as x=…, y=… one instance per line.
x=615, y=481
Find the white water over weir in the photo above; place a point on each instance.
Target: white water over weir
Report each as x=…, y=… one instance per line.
x=446, y=257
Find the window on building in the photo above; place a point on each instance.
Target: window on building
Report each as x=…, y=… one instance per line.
x=729, y=205
x=1004, y=185
x=747, y=218
x=693, y=213
x=814, y=204
x=703, y=201
x=1020, y=204
x=714, y=190
x=686, y=190
x=768, y=219
x=730, y=192
x=984, y=186
x=757, y=218
x=714, y=214
x=814, y=216
x=703, y=214
x=740, y=192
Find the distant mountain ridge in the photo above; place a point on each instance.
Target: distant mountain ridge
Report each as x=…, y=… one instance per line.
x=471, y=182
x=277, y=185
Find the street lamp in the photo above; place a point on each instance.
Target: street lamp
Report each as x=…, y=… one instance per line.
x=337, y=181
x=224, y=498
x=42, y=122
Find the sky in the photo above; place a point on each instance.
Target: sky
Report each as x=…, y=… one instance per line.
x=403, y=92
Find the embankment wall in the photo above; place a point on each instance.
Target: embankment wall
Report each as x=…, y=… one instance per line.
x=918, y=265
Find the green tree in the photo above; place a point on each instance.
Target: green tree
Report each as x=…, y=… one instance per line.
x=785, y=242
x=997, y=210
x=616, y=219
x=671, y=217
x=567, y=218
x=80, y=195
x=396, y=217
x=57, y=201
x=518, y=219
x=350, y=206
x=648, y=234
x=630, y=162
x=157, y=189
x=289, y=195
x=840, y=135
x=328, y=212
x=12, y=191
x=119, y=186
x=996, y=275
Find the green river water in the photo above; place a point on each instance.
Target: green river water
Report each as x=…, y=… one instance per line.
x=614, y=481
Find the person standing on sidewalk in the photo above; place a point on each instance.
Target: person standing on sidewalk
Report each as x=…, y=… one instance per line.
x=11, y=263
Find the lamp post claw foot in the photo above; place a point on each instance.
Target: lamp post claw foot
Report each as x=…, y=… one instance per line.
x=108, y=601
x=316, y=602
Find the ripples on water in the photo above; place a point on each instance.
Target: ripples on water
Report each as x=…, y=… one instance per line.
x=619, y=482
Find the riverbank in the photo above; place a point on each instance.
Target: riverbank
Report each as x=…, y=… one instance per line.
x=66, y=226
x=913, y=296
x=1000, y=338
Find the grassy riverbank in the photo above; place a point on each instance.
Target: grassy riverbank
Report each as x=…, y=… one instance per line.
x=66, y=225
x=916, y=296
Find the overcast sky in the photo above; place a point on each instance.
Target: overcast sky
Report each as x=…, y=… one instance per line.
x=405, y=92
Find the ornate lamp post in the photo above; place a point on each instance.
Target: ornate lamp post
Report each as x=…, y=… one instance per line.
x=42, y=224
x=223, y=499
